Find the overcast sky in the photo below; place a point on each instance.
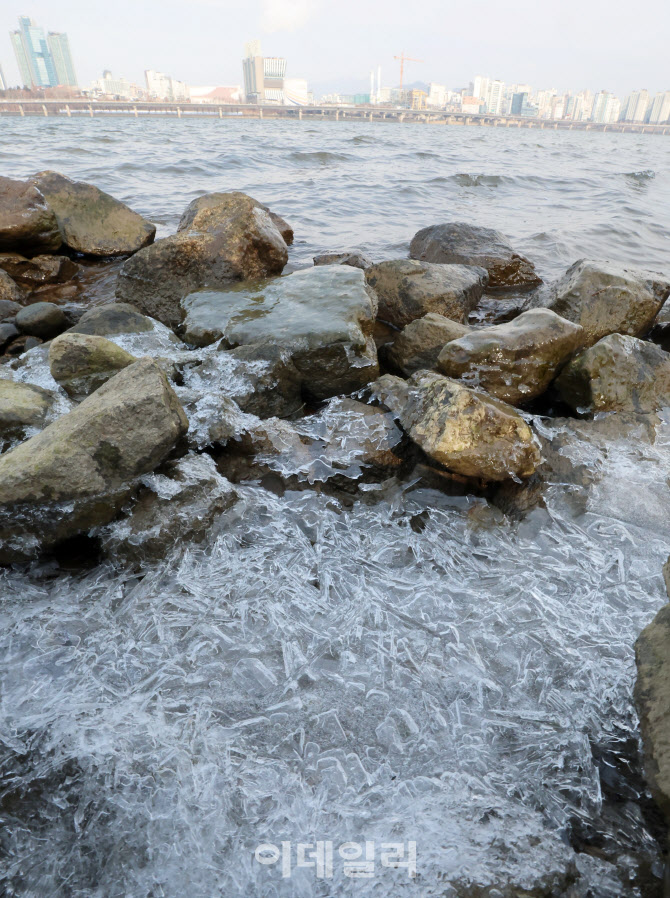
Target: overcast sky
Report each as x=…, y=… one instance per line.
x=570, y=44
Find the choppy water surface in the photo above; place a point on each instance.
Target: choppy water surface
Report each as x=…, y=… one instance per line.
x=396, y=666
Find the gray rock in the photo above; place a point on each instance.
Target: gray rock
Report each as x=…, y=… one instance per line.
x=41, y=319
x=516, y=361
x=8, y=332
x=354, y=258
x=421, y=341
x=80, y=470
x=468, y=432
x=81, y=363
x=407, y=289
x=8, y=309
x=606, y=298
x=22, y=406
x=222, y=238
x=9, y=289
x=27, y=223
x=177, y=505
x=458, y=242
x=114, y=318
x=391, y=392
x=321, y=318
x=39, y=270
x=90, y=220
x=282, y=226
x=619, y=373
x=275, y=382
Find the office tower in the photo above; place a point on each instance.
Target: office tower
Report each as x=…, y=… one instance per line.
x=481, y=87
x=59, y=47
x=494, y=97
x=263, y=76
x=42, y=61
x=660, y=109
x=635, y=106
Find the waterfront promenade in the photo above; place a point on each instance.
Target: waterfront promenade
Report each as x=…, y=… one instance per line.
x=92, y=108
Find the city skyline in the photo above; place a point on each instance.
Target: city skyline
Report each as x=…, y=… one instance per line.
x=593, y=51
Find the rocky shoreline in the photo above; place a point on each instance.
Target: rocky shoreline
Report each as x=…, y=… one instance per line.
x=128, y=425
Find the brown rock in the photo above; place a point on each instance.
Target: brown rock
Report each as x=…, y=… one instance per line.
x=27, y=224
x=420, y=343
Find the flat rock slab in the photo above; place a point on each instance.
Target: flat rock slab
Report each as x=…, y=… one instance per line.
x=321, y=317
x=465, y=244
x=407, y=289
x=27, y=223
x=619, y=373
x=606, y=298
x=79, y=470
x=420, y=343
x=516, y=361
x=222, y=238
x=467, y=431
x=91, y=221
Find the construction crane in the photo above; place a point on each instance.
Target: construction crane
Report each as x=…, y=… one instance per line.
x=403, y=59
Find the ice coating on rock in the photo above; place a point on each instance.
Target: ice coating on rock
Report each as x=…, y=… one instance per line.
x=412, y=667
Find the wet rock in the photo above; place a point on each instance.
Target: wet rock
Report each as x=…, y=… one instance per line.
x=282, y=226
x=605, y=298
x=421, y=341
x=222, y=238
x=461, y=243
x=391, y=392
x=275, y=384
x=652, y=698
x=91, y=221
x=467, y=431
x=516, y=361
x=81, y=469
x=8, y=332
x=41, y=319
x=177, y=505
x=81, y=363
x=9, y=289
x=9, y=309
x=39, y=270
x=618, y=373
x=407, y=289
x=21, y=344
x=22, y=406
x=321, y=318
x=27, y=223
x=114, y=318
x=354, y=259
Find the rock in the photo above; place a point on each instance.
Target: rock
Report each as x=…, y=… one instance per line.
x=618, y=373
x=8, y=332
x=392, y=392
x=516, y=361
x=407, y=289
x=9, y=290
x=421, y=341
x=282, y=226
x=39, y=270
x=355, y=259
x=81, y=469
x=22, y=406
x=22, y=344
x=41, y=319
x=179, y=504
x=321, y=318
x=91, y=221
x=114, y=318
x=461, y=243
x=605, y=298
x=275, y=384
x=81, y=363
x=652, y=698
x=467, y=431
x=9, y=309
x=27, y=223
x=222, y=238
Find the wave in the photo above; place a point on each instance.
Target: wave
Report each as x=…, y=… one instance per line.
x=320, y=157
x=640, y=177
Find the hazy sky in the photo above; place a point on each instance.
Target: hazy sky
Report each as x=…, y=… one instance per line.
x=615, y=45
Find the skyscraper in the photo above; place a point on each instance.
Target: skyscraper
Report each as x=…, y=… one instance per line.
x=3, y=83
x=43, y=62
x=660, y=110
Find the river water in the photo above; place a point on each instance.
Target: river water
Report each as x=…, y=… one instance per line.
x=401, y=667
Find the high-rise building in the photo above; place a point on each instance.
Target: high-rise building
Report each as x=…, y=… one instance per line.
x=606, y=107
x=494, y=97
x=660, y=109
x=164, y=87
x=635, y=107
x=3, y=83
x=265, y=77
x=480, y=87
x=437, y=95
x=59, y=47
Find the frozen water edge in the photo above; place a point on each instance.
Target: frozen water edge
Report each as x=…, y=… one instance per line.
x=412, y=668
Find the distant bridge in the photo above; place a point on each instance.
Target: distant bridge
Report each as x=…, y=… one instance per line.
x=93, y=109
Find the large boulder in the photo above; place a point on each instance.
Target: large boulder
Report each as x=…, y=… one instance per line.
x=41, y=319
x=619, y=373
x=420, y=343
x=464, y=244
x=222, y=238
x=40, y=270
x=27, y=223
x=407, y=289
x=81, y=469
x=9, y=309
x=81, y=363
x=22, y=407
x=652, y=697
x=516, y=361
x=9, y=289
x=91, y=221
x=467, y=431
x=320, y=318
x=606, y=298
